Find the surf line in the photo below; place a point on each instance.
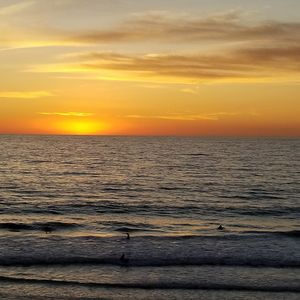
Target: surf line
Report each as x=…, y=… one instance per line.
x=152, y=286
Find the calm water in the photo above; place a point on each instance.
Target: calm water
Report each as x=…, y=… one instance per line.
x=170, y=194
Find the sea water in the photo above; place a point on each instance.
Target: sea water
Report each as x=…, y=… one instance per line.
x=67, y=202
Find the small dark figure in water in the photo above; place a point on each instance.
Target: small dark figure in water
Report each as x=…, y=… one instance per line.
x=128, y=236
x=220, y=227
x=123, y=259
x=48, y=229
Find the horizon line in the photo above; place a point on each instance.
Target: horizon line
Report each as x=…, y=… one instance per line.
x=152, y=135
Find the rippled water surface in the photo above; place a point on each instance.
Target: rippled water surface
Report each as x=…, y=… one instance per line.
x=67, y=202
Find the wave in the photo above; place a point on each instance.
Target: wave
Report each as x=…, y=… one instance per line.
x=253, y=249
x=129, y=226
x=37, y=226
x=160, y=285
x=16, y=226
x=154, y=262
x=291, y=233
x=134, y=228
x=191, y=208
x=195, y=154
x=117, y=226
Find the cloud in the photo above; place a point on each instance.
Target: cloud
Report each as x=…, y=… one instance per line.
x=240, y=50
x=166, y=27
x=191, y=117
x=67, y=114
x=15, y=8
x=175, y=117
x=190, y=91
x=44, y=23
x=244, y=64
x=25, y=95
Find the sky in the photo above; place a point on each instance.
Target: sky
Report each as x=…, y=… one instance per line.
x=160, y=67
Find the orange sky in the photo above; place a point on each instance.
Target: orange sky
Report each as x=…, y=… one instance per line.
x=160, y=68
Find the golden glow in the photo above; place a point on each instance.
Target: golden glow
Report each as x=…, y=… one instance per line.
x=154, y=69
x=25, y=95
x=80, y=127
x=67, y=114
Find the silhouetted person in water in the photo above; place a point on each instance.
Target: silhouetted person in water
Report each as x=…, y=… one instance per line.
x=220, y=227
x=123, y=259
x=48, y=229
x=128, y=236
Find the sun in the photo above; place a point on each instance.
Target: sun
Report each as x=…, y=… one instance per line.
x=81, y=127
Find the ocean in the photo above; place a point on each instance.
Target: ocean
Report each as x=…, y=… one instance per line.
x=68, y=202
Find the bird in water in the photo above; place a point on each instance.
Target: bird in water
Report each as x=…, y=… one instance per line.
x=128, y=236
x=220, y=227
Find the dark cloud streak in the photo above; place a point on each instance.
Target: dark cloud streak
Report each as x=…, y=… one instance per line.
x=240, y=63
x=186, y=29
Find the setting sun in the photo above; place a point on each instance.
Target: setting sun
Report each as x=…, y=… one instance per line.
x=209, y=68
x=80, y=127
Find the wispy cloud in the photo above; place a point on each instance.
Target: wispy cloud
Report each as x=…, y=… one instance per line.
x=67, y=114
x=243, y=50
x=244, y=64
x=191, y=117
x=26, y=95
x=229, y=27
x=15, y=8
x=228, y=64
x=193, y=91
x=186, y=28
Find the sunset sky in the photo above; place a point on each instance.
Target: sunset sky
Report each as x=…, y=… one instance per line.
x=159, y=67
